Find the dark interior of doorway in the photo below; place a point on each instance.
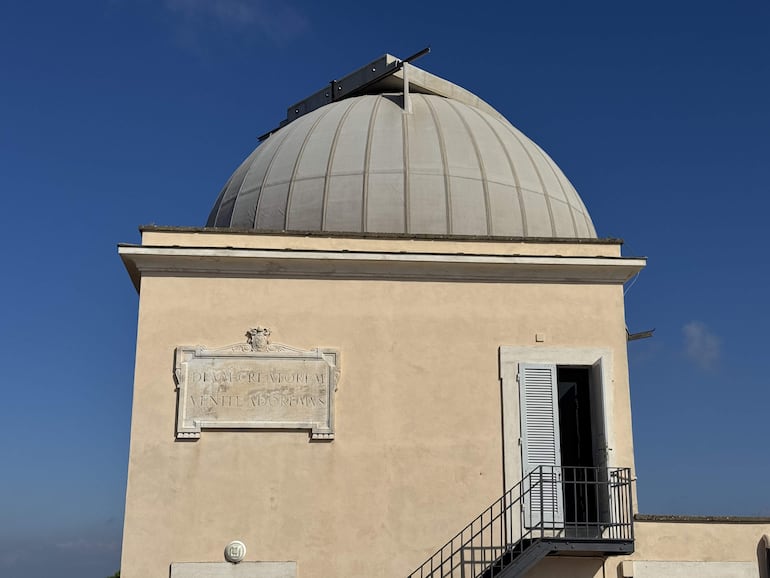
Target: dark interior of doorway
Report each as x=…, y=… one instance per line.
x=582, y=512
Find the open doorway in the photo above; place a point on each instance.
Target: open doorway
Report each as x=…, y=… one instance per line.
x=583, y=450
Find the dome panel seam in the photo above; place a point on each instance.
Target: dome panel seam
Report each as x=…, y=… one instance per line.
x=245, y=165
x=332, y=151
x=482, y=169
x=296, y=166
x=218, y=204
x=367, y=161
x=550, y=165
x=539, y=178
x=267, y=174
x=240, y=187
x=405, y=160
x=511, y=164
x=442, y=149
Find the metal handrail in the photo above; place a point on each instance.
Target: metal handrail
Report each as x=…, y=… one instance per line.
x=557, y=503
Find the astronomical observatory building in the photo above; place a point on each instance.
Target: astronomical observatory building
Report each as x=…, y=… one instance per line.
x=397, y=349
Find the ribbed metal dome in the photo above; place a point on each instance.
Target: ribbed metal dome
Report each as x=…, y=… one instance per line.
x=364, y=165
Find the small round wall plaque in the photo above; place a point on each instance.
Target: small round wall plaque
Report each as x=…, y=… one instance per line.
x=235, y=551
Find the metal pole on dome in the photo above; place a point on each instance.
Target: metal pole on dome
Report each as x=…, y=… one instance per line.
x=405, y=69
x=407, y=100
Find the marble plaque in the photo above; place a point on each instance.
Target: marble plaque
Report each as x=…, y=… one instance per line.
x=227, y=570
x=256, y=385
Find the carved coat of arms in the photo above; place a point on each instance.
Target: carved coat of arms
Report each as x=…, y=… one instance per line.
x=258, y=338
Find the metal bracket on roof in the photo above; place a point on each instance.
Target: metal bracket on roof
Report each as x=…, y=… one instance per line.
x=349, y=85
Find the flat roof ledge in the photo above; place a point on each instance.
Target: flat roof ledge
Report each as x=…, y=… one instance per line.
x=396, y=236
x=684, y=519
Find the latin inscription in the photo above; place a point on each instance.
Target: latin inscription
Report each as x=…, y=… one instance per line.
x=271, y=400
x=237, y=389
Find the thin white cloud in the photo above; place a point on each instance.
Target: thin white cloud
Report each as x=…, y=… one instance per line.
x=277, y=20
x=702, y=346
x=9, y=559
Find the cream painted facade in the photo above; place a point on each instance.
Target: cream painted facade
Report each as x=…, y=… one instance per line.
x=418, y=407
x=451, y=350
x=419, y=448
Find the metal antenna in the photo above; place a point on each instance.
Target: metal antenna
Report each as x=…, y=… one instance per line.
x=417, y=55
x=640, y=335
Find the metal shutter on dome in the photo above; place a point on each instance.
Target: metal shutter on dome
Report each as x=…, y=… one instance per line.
x=538, y=398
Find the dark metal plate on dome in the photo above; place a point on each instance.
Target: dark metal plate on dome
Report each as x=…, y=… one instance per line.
x=337, y=89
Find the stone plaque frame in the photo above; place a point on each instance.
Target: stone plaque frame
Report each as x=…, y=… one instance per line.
x=256, y=385
x=228, y=570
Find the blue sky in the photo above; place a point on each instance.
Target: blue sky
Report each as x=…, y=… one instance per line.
x=126, y=112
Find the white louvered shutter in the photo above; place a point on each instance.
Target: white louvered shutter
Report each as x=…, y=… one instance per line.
x=539, y=402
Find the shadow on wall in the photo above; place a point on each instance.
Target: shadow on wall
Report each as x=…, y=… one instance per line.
x=763, y=556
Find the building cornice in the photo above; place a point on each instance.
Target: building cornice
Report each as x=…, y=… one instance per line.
x=283, y=263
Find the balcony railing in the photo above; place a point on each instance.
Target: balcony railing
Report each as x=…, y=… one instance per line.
x=553, y=508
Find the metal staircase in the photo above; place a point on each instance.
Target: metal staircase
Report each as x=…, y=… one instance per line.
x=554, y=510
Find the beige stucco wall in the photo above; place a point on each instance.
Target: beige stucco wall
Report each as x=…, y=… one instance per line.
x=418, y=448
x=666, y=549
x=706, y=541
